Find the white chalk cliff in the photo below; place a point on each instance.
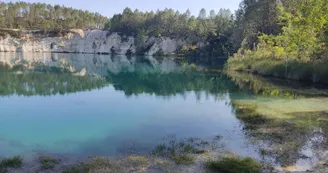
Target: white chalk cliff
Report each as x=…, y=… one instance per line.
x=90, y=42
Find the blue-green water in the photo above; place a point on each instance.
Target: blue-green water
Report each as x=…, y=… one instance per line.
x=99, y=122
x=133, y=104
x=94, y=105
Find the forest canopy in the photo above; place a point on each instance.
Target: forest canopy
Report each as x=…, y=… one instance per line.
x=23, y=15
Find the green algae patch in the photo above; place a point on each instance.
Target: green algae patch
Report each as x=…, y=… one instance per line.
x=183, y=159
x=182, y=152
x=48, y=162
x=233, y=165
x=285, y=125
x=13, y=162
x=109, y=165
x=284, y=109
x=272, y=99
x=97, y=164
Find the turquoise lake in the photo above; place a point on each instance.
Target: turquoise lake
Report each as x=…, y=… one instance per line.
x=97, y=105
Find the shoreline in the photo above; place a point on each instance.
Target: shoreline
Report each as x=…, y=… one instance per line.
x=308, y=73
x=190, y=155
x=177, y=156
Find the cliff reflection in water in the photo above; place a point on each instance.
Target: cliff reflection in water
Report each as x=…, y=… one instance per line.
x=49, y=74
x=24, y=76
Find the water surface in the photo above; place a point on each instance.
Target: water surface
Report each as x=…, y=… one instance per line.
x=94, y=105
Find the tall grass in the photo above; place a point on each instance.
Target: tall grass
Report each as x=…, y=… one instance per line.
x=313, y=72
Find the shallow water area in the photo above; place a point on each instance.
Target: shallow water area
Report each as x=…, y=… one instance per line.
x=96, y=105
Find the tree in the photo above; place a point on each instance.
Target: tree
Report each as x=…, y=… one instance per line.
x=303, y=28
x=202, y=14
x=212, y=14
x=187, y=14
x=254, y=17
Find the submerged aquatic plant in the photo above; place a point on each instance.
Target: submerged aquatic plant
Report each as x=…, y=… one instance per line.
x=182, y=152
x=233, y=165
x=183, y=159
x=48, y=162
x=13, y=162
x=97, y=164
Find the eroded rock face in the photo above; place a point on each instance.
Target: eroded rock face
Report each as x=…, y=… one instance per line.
x=166, y=45
x=90, y=42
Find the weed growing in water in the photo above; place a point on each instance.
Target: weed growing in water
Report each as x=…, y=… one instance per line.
x=48, y=162
x=181, y=151
x=13, y=162
x=98, y=164
x=159, y=150
x=183, y=159
x=233, y=165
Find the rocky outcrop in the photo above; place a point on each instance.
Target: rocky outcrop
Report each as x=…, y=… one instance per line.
x=165, y=45
x=89, y=42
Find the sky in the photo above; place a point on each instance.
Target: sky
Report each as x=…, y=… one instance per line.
x=110, y=7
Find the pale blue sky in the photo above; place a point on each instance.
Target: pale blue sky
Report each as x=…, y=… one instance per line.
x=110, y=7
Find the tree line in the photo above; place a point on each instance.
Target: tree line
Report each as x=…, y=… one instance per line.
x=170, y=23
x=297, y=28
x=22, y=15
x=206, y=27
x=293, y=43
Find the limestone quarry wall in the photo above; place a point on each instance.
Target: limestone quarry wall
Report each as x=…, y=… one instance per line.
x=89, y=42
